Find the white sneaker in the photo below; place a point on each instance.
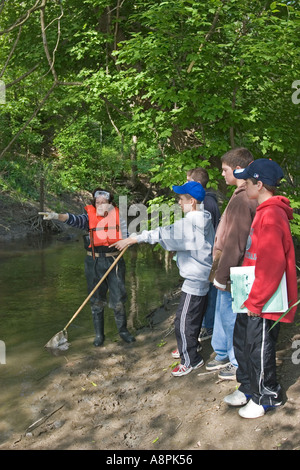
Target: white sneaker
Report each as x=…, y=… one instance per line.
x=236, y=398
x=252, y=410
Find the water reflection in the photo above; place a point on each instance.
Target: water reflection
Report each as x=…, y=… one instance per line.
x=41, y=286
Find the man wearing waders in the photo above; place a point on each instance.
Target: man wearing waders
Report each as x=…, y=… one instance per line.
x=102, y=221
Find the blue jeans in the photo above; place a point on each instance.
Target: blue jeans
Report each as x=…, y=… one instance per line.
x=222, y=338
x=209, y=316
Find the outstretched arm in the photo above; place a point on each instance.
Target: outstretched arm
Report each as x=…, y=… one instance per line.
x=77, y=221
x=121, y=244
x=54, y=216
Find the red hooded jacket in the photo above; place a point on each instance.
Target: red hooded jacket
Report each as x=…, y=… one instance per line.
x=271, y=250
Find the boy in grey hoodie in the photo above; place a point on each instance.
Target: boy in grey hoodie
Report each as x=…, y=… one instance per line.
x=192, y=238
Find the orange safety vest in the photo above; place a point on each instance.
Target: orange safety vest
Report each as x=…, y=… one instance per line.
x=104, y=231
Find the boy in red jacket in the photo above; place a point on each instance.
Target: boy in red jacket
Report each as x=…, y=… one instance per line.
x=270, y=249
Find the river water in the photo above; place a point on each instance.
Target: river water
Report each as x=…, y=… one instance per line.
x=42, y=284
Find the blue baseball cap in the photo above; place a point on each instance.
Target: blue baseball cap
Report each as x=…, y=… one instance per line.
x=193, y=188
x=263, y=169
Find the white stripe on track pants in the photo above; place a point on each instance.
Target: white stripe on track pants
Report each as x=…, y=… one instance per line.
x=188, y=323
x=255, y=351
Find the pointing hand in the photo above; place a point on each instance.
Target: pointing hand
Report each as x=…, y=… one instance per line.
x=49, y=215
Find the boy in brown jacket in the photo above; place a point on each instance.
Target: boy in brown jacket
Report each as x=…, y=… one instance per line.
x=229, y=248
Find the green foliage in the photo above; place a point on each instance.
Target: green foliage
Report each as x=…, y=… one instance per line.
x=295, y=223
x=187, y=80
x=21, y=177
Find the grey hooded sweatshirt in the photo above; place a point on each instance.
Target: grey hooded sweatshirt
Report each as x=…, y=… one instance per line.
x=192, y=237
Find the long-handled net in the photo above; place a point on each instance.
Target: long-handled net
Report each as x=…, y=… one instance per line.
x=59, y=342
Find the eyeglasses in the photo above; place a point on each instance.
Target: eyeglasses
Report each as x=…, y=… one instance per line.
x=102, y=193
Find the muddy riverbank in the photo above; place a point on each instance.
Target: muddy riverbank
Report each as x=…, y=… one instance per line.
x=123, y=397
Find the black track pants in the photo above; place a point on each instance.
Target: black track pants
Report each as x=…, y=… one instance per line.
x=255, y=351
x=188, y=322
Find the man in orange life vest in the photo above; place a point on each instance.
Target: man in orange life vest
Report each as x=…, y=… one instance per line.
x=102, y=220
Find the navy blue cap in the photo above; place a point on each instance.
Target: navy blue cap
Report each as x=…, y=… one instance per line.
x=264, y=170
x=193, y=188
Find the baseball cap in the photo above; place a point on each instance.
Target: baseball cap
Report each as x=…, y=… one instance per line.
x=193, y=188
x=263, y=169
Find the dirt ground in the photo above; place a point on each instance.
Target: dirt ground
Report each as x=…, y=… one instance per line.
x=123, y=397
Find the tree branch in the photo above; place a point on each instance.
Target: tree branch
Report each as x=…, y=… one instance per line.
x=30, y=119
x=207, y=36
x=36, y=111
x=2, y=6
x=11, y=52
x=45, y=43
x=22, y=18
x=70, y=83
x=112, y=122
x=109, y=103
x=50, y=60
x=231, y=129
x=58, y=33
x=17, y=80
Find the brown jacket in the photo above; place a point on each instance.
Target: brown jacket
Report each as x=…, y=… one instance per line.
x=232, y=234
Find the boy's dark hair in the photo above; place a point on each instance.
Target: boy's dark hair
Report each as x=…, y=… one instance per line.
x=200, y=175
x=188, y=196
x=238, y=156
x=268, y=187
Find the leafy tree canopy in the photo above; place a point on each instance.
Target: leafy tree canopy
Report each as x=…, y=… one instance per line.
x=116, y=90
